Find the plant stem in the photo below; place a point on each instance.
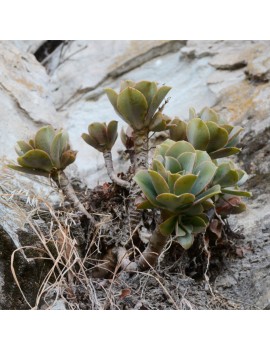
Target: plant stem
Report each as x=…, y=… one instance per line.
x=140, y=149
x=153, y=250
x=141, y=162
x=63, y=183
x=110, y=170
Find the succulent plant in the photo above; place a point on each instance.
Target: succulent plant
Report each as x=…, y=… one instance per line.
x=102, y=138
x=230, y=178
x=206, y=131
x=178, y=184
x=46, y=154
x=228, y=205
x=137, y=104
x=187, y=186
x=178, y=130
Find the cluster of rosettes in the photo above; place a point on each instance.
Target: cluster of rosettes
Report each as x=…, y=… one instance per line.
x=184, y=183
x=206, y=131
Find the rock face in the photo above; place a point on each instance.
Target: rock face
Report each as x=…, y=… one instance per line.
x=25, y=98
x=231, y=76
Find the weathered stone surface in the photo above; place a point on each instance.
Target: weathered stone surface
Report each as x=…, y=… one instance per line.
x=81, y=66
x=25, y=100
x=231, y=59
x=28, y=45
x=258, y=69
x=247, y=279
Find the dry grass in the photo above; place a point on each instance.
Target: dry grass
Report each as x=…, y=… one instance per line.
x=69, y=276
x=56, y=245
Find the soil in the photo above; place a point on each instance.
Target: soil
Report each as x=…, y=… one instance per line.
x=181, y=280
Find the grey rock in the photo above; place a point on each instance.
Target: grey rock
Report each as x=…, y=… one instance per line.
x=25, y=99
x=229, y=60
x=28, y=45
x=82, y=66
x=258, y=69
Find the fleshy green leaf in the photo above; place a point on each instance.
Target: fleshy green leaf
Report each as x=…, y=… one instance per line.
x=173, y=202
x=206, y=172
x=179, y=230
x=198, y=134
x=207, y=204
x=192, y=113
x=195, y=209
x=158, y=123
x=133, y=106
x=178, y=130
x=218, y=136
x=37, y=159
x=225, y=176
x=215, y=190
x=172, y=165
x=22, y=147
x=32, y=143
x=126, y=84
x=204, y=217
x=184, y=184
x=172, y=178
x=91, y=141
x=233, y=136
x=242, y=176
x=236, y=192
x=58, y=146
x=67, y=158
x=224, y=152
x=228, y=127
x=187, y=160
x=201, y=156
x=111, y=134
x=197, y=223
x=156, y=101
x=144, y=205
x=178, y=148
x=158, y=167
x=44, y=138
x=159, y=183
x=186, y=241
x=143, y=179
x=208, y=114
x=167, y=227
x=112, y=96
x=163, y=148
x=148, y=89
x=98, y=131
x=29, y=170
